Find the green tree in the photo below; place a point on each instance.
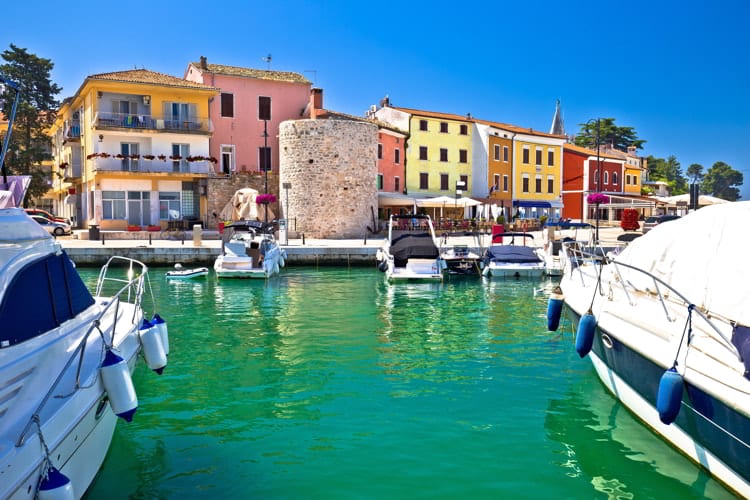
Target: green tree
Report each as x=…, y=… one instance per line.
x=669, y=171
x=695, y=172
x=722, y=181
x=29, y=145
x=608, y=134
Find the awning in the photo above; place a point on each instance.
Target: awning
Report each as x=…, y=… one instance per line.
x=394, y=199
x=531, y=204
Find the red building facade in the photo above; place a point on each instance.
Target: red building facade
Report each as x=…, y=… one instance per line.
x=391, y=160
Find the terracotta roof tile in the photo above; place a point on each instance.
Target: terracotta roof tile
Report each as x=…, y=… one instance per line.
x=261, y=74
x=148, y=77
x=588, y=152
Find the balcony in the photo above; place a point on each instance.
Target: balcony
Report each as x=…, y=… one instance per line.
x=72, y=173
x=122, y=121
x=141, y=166
x=72, y=130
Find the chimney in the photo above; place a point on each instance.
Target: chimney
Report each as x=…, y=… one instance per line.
x=316, y=102
x=204, y=63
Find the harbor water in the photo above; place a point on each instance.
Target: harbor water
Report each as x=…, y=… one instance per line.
x=332, y=384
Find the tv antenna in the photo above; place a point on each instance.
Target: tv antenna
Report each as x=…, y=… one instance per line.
x=268, y=60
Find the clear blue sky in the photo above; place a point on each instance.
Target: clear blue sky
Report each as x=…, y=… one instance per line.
x=678, y=71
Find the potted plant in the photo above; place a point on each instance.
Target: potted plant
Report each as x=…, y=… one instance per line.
x=265, y=199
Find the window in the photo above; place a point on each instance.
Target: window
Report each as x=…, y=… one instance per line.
x=463, y=156
x=180, y=152
x=538, y=156
x=124, y=108
x=380, y=151
x=129, y=150
x=380, y=181
x=525, y=154
x=139, y=208
x=113, y=205
x=525, y=187
x=443, y=182
x=443, y=128
x=465, y=180
x=538, y=184
x=505, y=183
x=180, y=115
x=443, y=154
x=614, y=178
x=169, y=205
x=551, y=158
x=606, y=177
x=550, y=185
x=627, y=179
x=423, y=125
x=596, y=177
x=422, y=152
x=227, y=105
x=495, y=183
x=264, y=108
x=227, y=159
x=497, y=152
x=264, y=159
x=396, y=156
x=505, y=154
x=424, y=180
x=464, y=129
x=396, y=184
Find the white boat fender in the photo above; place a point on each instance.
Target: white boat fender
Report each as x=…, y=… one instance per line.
x=276, y=268
x=585, y=334
x=383, y=265
x=669, y=397
x=55, y=486
x=119, y=386
x=153, y=349
x=161, y=325
x=554, y=308
x=282, y=260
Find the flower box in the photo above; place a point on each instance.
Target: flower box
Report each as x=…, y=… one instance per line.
x=134, y=228
x=153, y=228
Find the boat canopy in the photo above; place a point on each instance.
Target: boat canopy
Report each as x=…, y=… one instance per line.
x=513, y=254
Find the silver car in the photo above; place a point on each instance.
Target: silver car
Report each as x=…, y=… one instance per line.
x=52, y=227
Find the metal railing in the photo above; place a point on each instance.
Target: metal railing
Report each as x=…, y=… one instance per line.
x=157, y=165
x=149, y=122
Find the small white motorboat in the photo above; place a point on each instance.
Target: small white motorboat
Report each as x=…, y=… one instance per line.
x=185, y=274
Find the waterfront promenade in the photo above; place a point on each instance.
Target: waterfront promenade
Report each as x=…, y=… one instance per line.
x=300, y=251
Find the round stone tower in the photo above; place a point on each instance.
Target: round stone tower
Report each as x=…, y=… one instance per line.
x=330, y=168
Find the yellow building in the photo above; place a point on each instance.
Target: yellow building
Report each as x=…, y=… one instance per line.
x=439, y=151
x=131, y=149
x=537, y=173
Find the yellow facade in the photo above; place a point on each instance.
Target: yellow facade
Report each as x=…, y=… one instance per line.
x=632, y=181
x=133, y=134
x=447, y=144
x=537, y=168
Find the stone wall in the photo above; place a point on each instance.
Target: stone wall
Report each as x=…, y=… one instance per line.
x=221, y=189
x=332, y=168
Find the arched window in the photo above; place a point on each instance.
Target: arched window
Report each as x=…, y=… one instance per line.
x=606, y=177
x=614, y=178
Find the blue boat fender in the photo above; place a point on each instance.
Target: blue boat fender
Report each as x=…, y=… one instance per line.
x=669, y=397
x=161, y=325
x=585, y=334
x=554, y=308
x=119, y=386
x=153, y=350
x=55, y=486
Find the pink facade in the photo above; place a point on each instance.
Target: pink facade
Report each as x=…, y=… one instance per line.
x=391, y=149
x=235, y=114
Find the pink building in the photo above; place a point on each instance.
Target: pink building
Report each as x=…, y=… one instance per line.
x=250, y=100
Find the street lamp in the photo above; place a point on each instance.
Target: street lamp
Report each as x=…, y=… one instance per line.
x=266, y=162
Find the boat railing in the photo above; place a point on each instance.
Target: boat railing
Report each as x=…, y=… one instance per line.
x=598, y=256
x=133, y=288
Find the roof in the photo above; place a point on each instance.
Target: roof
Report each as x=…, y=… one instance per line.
x=470, y=119
x=261, y=74
x=589, y=152
x=145, y=76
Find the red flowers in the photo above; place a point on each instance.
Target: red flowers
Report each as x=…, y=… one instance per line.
x=265, y=199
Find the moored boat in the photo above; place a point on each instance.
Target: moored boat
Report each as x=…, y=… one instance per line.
x=249, y=250
x=665, y=324
x=66, y=358
x=512, y=260
x=179, y=273
x=411, y=252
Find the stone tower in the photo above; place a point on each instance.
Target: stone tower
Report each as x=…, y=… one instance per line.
x=331, y=168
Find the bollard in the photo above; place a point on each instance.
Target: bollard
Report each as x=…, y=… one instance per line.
x=102, y=236
x=303, y=238
x=197, y=234
x=149, y=238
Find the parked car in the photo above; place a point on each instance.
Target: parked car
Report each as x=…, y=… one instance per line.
x=655, y=220
x=46, y=215
x=53, y=227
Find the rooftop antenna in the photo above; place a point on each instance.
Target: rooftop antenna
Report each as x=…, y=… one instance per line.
x=268, y=60
x=315, y=74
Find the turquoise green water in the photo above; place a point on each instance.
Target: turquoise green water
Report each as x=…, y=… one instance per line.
x=331, y=384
